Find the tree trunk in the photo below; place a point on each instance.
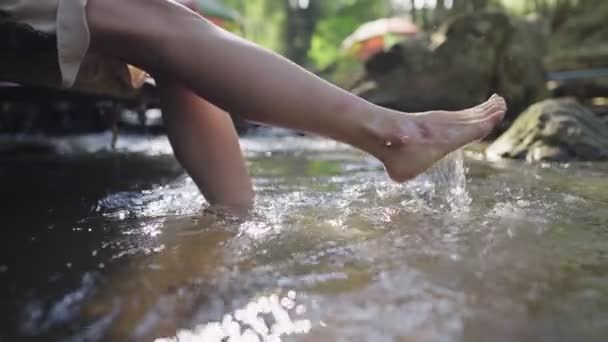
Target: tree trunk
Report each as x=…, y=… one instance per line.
x=300, y=27
x=414, y=11
x=461, y=6
x=479, y=4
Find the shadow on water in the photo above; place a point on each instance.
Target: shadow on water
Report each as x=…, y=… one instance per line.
x=115, y=246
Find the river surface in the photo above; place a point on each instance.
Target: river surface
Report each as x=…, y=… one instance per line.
x=116, y=246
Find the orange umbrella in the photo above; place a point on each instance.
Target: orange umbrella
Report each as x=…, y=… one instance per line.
x=370, y=38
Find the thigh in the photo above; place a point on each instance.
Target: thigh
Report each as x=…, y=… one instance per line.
x=142, y=42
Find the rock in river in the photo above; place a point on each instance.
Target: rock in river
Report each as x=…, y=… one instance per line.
x=554, y=130
x=471, y=57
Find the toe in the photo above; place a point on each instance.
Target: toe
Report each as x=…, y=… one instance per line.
x=492, y=101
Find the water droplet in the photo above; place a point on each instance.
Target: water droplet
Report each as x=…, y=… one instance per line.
x=449, y=178
x=300, y=309
x=101, y=266
x=68, y=264
x=455, y=257
x=94, y=253
x=159, y=249
x=3, y=268
x=287, y=303
x=264, y=305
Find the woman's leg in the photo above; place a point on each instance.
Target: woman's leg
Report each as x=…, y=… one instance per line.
x=169, y=39
x=206, y=144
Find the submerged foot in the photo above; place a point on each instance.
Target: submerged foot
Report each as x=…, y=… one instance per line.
x=414, y=142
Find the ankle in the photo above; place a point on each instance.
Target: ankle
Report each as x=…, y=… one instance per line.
x=380, y=127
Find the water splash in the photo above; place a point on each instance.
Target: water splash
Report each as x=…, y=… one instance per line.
x=449, y=183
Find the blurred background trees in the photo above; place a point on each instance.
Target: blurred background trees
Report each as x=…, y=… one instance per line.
x=411, y=55
x=310, y=32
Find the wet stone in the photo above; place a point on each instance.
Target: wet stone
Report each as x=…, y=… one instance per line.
x=560, y=130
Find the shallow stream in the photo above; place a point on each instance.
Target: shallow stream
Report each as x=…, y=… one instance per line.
x=115, y=246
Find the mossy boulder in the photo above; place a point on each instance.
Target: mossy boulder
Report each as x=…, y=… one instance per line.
x=554, y=130
x=581, y=41
x=471, y=57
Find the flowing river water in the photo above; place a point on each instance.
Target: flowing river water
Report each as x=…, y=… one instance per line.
x=115, y=246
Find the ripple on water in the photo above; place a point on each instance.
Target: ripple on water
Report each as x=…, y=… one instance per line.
x=38, y=317
x=180, y=197
x=435, y=259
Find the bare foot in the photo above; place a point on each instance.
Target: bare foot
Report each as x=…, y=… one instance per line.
x=414, y=142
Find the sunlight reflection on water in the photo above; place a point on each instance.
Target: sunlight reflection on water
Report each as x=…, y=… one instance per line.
x=268, y=318
x=437, y=259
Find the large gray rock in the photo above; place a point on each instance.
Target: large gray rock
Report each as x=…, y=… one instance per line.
x=470, y=58
x=554, y=130
x=581, y=40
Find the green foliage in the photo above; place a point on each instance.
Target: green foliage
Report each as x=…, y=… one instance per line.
x=330, y=33
x=346, y=71
x=262, y=21
x=266, y=22
x=339, y=19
